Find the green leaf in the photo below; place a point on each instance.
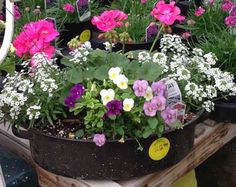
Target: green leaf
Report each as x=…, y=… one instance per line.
x=64, y=93
x=101, y=73
x=152, y=122
x=147, y=132
x=120, y=130
x=100, y=124
x=79, y=133
x=74, y=75
x=177, y=124
x=65, y=61
x=8, y=66
x=117, y=60
x=150, y=71
x=88, y=74
x=112, y=118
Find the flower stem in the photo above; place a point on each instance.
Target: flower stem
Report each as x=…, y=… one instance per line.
x=157, y=37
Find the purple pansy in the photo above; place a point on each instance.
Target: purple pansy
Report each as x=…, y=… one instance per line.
x=77, y=91
x=160, y=102
x=99, y=139
x=158, y=88
x=140, y=87
x=169, y=115
x=70, y=101
x=150, y=109
x=114, y=107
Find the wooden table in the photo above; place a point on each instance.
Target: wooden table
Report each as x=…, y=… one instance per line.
x=209, y=137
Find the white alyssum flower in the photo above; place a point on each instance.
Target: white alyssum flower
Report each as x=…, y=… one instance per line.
x=208, y=105
x=80, y=55
x=121, y=81
x=211, y=91
x=113, y=73
x=183, y=74
x=149, y=94
x=161, y=59
x=33, y=112
x=128, y=104
x=144, y=57
x=107, y=95
x=211, y=58
x=108, y=46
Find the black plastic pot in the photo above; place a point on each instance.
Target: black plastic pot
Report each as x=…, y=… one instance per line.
x=113, y=161
x=224, y=110
x=71, y=30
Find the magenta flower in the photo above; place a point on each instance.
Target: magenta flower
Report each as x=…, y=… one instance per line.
x=17, y=13
x=69, y=8
x=99, y=139
x=159, y=88
x=199, y=11
x=186, y=35
x=150, y=109
x=230, y=21
x=140, y=87
x=169, y=115
x=77, y=91
x=167, y=13
x=70, y=101
x=109, y=20
x=160, y=102
x=36, y=37
x=113, y=108
x=227, y=5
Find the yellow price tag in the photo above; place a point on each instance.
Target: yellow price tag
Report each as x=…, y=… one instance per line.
x=159, y=149
x=85, y=36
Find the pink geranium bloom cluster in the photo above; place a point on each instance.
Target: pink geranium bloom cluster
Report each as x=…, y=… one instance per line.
x=230, y=21
x=167, y=13
x=68, y=8
x=36, y=37
x=109, y=20
x=227, y=5
x=17, y=13
x=158, y=102
x=199, y=11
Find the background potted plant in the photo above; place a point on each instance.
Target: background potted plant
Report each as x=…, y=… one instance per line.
x=213, y=26
x=108, y=103
x=136, y=26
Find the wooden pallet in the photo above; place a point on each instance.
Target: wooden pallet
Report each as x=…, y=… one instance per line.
x=209, y=137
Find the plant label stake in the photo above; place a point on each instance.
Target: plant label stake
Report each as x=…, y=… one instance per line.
x=173, y=93
x=83, y=9
x=151, y=32
x=181, y=108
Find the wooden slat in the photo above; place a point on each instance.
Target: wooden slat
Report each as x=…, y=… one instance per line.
x=209, y=138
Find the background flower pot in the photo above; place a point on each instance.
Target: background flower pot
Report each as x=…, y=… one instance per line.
x=83, y=159
x=71, y=30
x=225, y=110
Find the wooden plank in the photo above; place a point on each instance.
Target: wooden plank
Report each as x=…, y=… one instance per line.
x=210, y=138
x=214, y=137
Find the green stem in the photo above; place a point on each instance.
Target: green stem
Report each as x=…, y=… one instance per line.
x=123, y=47
x=157, y=37
x=63, y=21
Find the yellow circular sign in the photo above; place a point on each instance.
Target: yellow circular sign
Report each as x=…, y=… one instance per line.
x=85, y=36
x=159, y=148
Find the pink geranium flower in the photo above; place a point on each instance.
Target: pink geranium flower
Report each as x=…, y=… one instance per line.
x=230, y=21
x=167, y=13
x=227, y=5
x=36, y=37
x=109, y=20
x=68, y=8
x=199, y=11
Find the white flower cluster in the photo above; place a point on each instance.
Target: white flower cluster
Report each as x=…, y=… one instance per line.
x=161, y=59
x=108, y=46
x=80, y=55
x=144, y=57
x=49, y=85
x=173, y=43
x=203, y=80
x=33, y=112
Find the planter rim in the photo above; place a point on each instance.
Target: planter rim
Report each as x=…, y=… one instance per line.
x=198, y=115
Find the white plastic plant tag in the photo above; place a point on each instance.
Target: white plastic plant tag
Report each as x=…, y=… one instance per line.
x=173, y=93
x=151, y=32
x=83, y=9
x=2, y=180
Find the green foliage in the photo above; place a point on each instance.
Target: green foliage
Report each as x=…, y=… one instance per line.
x=8, y=66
